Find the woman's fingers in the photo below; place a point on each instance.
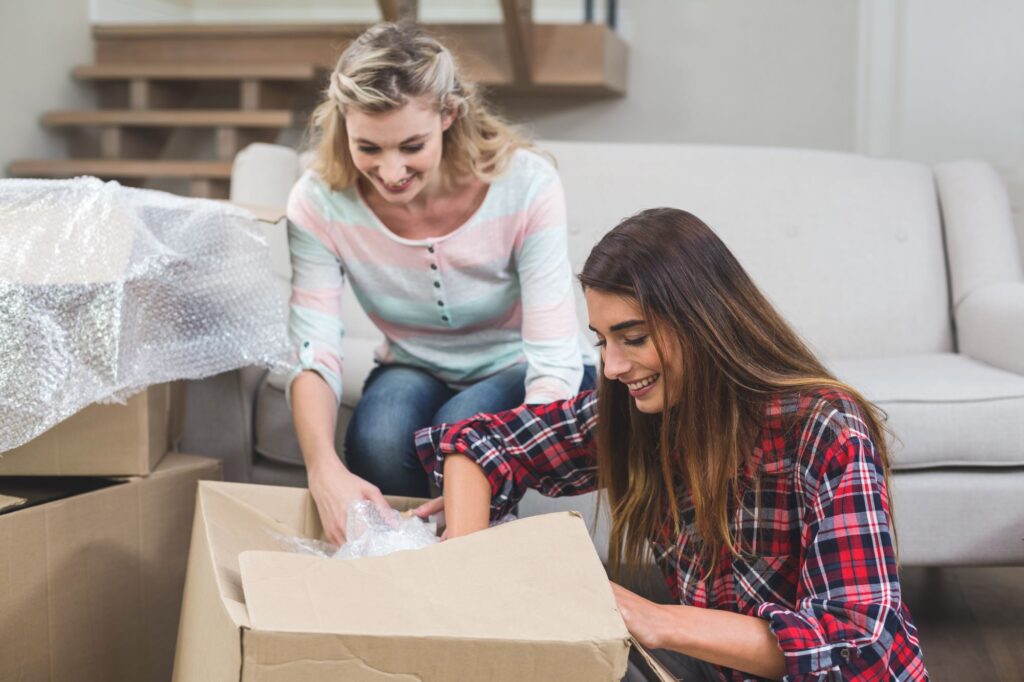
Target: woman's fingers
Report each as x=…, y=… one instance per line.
x=429, y=508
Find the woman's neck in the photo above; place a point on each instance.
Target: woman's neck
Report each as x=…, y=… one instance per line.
x=440, y=208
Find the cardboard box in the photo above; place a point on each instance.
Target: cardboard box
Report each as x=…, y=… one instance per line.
x=102, y=440
x=528, y=600
x=91, y=584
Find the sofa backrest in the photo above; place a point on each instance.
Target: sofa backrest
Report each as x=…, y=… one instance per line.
x=849, y=248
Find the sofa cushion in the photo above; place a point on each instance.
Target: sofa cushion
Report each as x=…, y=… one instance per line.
x=826, y=235
x=944, y=409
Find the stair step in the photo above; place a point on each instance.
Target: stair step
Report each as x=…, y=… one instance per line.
x=118, y=168
x=168, y=118
x=199, y=71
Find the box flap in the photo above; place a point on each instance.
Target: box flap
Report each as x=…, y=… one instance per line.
x=10, y=502
x=654, y=666
x=266, y=214
x=537, y=579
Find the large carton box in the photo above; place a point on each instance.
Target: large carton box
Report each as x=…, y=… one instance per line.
x=527, y=600
x=103, y=440
x=91, y=584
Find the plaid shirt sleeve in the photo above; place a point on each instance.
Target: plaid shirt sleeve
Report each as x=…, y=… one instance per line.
x=550, y=448
x=848, y=622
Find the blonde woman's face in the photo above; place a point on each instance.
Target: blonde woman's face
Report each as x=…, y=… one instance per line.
x=628, y=353
x=398, y=151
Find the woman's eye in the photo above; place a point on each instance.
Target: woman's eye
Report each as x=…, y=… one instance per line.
x=600, y=343
x=369, y=150
x=412, y=149
x=638, y=341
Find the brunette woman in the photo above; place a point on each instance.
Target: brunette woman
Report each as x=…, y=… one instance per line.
x=755, y=479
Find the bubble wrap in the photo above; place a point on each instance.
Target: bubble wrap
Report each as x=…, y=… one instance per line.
x=370, y=533
x=105, y=290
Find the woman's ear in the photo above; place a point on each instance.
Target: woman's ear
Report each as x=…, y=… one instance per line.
x=448, y=115
x=447, y=119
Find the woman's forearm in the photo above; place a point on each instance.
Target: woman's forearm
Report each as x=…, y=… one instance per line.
x=725, y=638
x=467, y=496
x=315, y=412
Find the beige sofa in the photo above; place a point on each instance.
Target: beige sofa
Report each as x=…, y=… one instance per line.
x=906, y=278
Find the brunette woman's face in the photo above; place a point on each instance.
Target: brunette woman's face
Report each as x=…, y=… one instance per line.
x=628, y=353
x=398, y=151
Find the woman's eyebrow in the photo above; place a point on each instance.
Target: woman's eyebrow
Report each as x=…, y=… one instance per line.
x=408, y=140
x=620, y=326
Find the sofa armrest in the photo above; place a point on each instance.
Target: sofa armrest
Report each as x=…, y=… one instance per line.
x=981, y=242
x=263, y=174
x=990, y=325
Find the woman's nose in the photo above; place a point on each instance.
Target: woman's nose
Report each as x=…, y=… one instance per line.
x=393, y=169
x=613, y=362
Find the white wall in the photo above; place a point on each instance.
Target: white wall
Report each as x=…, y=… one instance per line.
x=140, y=11
x=927, y=80
x=962, y=87
x=42, y=41
x=722, y=71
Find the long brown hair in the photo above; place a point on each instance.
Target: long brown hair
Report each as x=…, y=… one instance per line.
x=380, y=71
x=736, y=352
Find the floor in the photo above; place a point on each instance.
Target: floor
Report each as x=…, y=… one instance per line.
x=971, y=621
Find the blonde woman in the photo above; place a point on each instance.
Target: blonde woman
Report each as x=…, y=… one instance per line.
x=730, y=455
x=451, y=231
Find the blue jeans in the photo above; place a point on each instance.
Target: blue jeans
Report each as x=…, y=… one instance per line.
x=398, y=400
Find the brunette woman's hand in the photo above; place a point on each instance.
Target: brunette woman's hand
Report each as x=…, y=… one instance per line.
x=650, y=623
x=429, y=508
x=334, y=488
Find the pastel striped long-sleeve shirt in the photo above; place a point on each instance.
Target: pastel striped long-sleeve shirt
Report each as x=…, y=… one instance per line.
x=496, y=291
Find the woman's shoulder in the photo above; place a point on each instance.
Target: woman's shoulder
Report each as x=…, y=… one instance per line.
x=831, y=406
x=311, y=190
x=530, y=165
x=529, y=178
x=820, y=426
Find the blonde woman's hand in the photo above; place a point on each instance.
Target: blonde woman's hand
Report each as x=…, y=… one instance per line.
x=334, y=488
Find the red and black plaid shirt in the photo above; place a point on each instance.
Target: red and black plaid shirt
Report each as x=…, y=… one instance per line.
x=821, y=567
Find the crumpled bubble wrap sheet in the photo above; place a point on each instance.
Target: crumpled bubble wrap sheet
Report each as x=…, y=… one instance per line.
x=369, y=532
x=105, y=290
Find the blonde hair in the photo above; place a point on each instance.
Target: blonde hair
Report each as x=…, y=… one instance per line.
x=382, y=70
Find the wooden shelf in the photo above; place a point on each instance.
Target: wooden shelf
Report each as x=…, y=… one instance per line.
x=574, y=59
x=197, y=71
x=120, y=168
x=176, y=118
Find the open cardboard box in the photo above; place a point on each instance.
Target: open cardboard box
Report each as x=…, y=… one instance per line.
x=92, y=572
x=527, y=600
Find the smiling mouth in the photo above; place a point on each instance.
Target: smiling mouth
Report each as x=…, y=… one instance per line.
x=398, y=186
x=643, y=383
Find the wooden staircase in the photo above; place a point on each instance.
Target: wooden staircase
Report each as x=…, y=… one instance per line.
x=176, y=103
x=144, y=104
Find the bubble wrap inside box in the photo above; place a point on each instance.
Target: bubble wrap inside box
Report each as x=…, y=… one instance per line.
x=105, y=290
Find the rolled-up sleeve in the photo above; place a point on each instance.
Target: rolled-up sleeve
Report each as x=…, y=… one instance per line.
x=550, y=328
x=849, y=622
x=314, y=319
x=549, y=448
